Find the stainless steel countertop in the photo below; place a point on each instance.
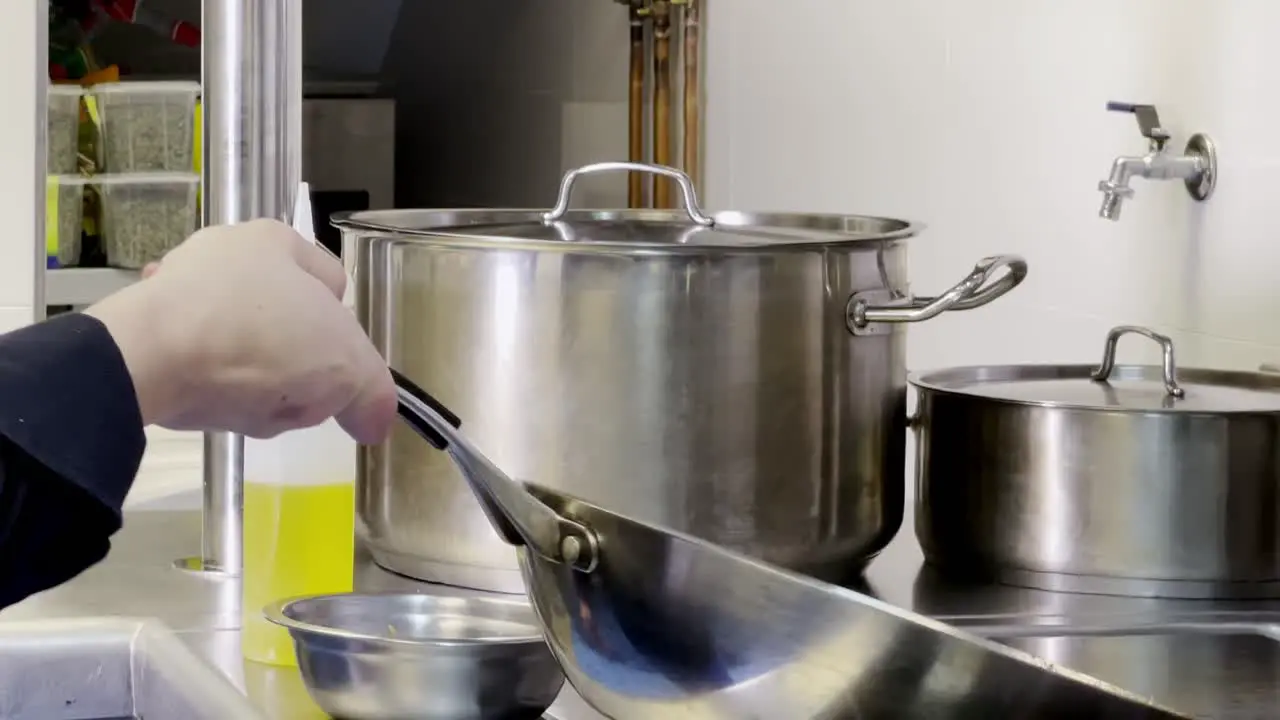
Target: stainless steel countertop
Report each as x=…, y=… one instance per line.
x=1211, y=659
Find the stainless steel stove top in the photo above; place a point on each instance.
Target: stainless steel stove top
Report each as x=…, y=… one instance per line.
x=1208, y=659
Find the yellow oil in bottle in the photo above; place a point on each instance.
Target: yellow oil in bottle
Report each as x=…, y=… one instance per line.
x=298, y=540
x=299, y=530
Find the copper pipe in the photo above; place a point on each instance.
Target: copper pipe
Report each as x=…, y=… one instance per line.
x=692, y=94
x=662, y=99
x=635, y=128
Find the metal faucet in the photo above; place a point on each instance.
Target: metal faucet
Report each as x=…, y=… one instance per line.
x=1197, y=166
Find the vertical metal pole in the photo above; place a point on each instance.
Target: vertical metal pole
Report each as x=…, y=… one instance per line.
x=252, y=78
x=290, y=103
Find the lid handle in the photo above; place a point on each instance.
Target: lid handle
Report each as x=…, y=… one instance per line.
x=1169, y=369
x=690, y=195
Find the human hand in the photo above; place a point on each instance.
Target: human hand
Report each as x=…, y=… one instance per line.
x=242, y=328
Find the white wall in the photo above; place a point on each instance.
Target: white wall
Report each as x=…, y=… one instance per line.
x=21, y=159
x=985, y=119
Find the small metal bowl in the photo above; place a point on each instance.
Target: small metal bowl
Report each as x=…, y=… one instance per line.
x=400, y=656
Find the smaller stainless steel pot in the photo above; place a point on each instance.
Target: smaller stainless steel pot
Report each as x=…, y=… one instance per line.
x=1129, y=480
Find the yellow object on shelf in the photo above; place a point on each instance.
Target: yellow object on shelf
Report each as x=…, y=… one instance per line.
x=91, y=109
x=198, y=151
x=51, y=216
x=299, y=529
x=107, y=74
x=63, y=208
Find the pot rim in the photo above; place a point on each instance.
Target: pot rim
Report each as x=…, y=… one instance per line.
x=751, y=232
x=283, y=613
x=937, y=381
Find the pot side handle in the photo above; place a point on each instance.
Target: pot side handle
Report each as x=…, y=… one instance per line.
x=972, y=292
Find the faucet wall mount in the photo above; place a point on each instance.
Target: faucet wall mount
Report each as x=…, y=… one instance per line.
x=1201, y=145
x=1197, y=166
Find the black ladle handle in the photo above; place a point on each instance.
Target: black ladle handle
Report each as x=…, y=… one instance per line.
x=517, y=516
x=426, y=431
x=412, y=415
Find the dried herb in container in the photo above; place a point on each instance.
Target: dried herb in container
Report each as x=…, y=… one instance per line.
x=62, y=129
x=146, y=215
x=147, y=126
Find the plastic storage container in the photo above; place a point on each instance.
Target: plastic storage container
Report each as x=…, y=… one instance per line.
x=147, y=126
x=299, y=529
x=146, y=215
x=62, y=126
x=64, y=220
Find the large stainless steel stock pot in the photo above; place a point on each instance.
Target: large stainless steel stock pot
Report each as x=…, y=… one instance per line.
x=1116, y=479
x=737, y=376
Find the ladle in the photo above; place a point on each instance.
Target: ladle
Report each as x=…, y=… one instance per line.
x=649, y=623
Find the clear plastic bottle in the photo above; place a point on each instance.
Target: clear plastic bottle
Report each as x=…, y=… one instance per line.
x=299, y=528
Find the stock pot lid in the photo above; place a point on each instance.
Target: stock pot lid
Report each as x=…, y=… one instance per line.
x=687, y=226
x=651, y=229
x=1130, y=387
x=1111, y=387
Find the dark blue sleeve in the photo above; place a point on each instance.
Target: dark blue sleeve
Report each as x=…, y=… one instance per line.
x=71, y=440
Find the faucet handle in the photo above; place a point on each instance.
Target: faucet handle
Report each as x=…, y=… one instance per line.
x=1148, y=122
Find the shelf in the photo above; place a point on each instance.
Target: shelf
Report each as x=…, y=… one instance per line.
x=84, y=286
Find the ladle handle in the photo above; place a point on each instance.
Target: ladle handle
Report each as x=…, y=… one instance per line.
x=424, y=428
x=414, y=416
x=519, y=517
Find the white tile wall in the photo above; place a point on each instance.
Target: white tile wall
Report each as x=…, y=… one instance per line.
x=985, y=120
x=22, y=56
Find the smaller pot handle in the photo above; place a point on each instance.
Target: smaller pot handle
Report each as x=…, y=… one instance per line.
x=969, y=293
x=687, y=191
x=1169, y=370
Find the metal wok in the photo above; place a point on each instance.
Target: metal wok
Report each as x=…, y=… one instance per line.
x=649, y=623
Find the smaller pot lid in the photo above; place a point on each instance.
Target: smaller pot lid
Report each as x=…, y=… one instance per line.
x=688, y=226
x=1110, y=387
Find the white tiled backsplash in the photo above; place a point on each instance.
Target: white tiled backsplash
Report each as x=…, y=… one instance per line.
x=985, y=119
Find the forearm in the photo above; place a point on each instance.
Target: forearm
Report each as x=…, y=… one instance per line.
x=71, y=440
x=50, y=529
